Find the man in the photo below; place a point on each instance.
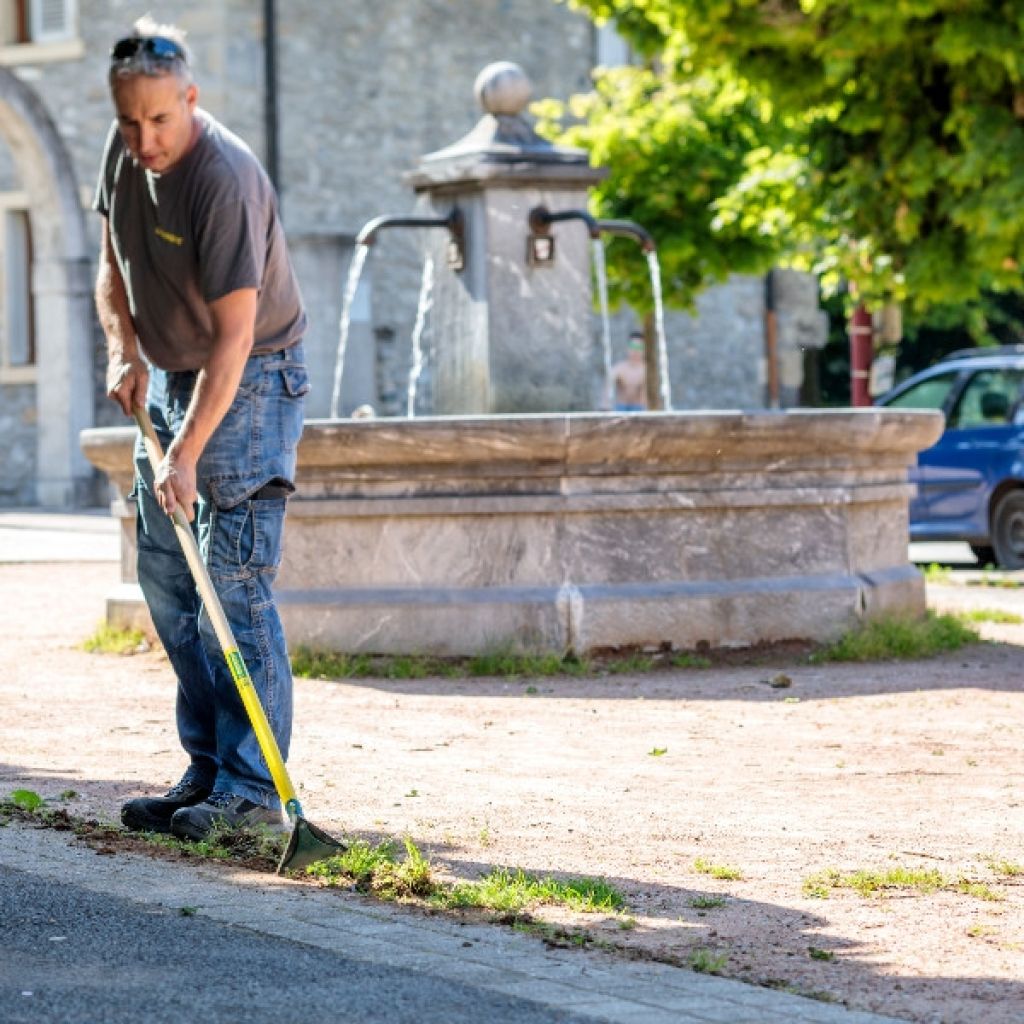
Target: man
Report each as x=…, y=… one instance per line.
x=204, y=322
x=629, y=377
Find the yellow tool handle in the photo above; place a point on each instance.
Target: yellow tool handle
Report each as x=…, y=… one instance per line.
x=236, y=663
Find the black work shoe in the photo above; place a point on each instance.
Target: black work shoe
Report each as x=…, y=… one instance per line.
x=153, y=813
x=225, y=809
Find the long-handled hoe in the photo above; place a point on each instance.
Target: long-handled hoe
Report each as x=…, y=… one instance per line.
x=307, y=842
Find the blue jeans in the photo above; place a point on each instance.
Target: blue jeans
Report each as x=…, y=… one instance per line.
x=239, y=535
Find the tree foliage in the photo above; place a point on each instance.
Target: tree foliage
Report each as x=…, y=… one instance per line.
x=674, y=147
x=894, y=135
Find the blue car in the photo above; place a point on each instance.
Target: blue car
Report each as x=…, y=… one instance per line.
x=970, y=484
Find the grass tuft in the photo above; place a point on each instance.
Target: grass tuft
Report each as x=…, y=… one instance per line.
x=511, y=891
x=707, y=902
x=705, y=961
x=26, y=800
x=894, y=880
x=685, y=659
x=991, y=615
x=721, y=871
x=112, y=640
x=935, y=573
x=900, y=638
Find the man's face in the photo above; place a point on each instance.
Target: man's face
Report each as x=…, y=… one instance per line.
x=155, y=118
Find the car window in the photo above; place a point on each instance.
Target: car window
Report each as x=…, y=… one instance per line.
x=987, y=399
x=929, y=394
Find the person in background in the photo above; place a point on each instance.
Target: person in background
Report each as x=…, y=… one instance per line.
x=629, y=377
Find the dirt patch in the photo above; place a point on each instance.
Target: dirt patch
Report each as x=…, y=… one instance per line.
x=867, y=767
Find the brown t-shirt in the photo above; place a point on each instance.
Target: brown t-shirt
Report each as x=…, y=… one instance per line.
x=192, y=235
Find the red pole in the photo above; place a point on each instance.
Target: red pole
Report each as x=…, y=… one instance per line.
x=861, y=343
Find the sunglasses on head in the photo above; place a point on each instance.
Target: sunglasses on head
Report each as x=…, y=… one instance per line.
x=158, y=47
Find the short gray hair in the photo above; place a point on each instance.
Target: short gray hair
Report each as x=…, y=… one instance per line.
x=142, y=62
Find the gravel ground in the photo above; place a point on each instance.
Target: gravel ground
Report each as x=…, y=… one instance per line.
x=914, y=765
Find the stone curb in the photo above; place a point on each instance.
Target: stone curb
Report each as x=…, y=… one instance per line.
x=590, y=984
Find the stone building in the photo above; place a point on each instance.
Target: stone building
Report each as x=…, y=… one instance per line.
x=340, y=99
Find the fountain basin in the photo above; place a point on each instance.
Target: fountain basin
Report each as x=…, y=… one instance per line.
x=579, y=532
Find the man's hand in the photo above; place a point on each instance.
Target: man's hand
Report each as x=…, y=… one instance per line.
x=127, y=380
x=175, y=483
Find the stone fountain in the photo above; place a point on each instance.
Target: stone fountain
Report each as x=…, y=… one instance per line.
x=519, y=520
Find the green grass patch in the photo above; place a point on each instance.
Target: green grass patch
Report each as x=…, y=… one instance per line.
x=935, y=573
x=26, y=800
x=820, y=954
x=979, y=890
x=515, y=663
x=313, y=664
x=111, y=640
x=720, y=871
x=378, y=870
x=991, y=615
x=686, y=659
x=258, y=846
x=706, y=961
x=512, y=891
x=630, y=664
x=707, y=902
x=894, y=880
x=900, y=638
x=1006, y=868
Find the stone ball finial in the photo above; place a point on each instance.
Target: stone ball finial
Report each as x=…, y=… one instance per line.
x=503, y=88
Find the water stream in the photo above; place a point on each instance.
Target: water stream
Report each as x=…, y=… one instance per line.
x=601, y=279
x=422, y=309
x=659, y=329
x=355, y=271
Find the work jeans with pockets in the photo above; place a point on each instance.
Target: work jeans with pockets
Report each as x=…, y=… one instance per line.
x=238, y=529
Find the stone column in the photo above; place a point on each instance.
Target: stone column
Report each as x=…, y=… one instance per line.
x=513, y=336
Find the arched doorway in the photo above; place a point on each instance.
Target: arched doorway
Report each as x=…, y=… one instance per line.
x=61, y=290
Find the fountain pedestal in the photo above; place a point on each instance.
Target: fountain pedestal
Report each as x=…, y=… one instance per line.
x=514, y=336
x=463, y=535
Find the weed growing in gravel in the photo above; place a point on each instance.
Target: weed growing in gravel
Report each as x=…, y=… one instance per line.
x=630, y=664
x=935, y=573
x=820, y=954
x=684, y=659
x=112, y=640
x=705, y=961
x=511, y=891
x=900, y=638
x=721, y=871
x=1006, y=868
x=991, y=615
x=707, y=902
x=892, y=880
x=377, y=870
x=310, y=664
x=26, y=800
x=979, y=890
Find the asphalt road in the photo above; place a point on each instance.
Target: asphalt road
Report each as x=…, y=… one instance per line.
x=71, y=956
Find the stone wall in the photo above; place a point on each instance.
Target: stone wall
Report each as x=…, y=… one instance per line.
x=18, y=450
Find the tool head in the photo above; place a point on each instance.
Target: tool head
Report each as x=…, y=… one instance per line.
x=306, y=845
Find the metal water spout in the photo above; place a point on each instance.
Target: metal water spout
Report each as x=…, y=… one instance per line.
x=455, y=222
x=541, y=218
x=628, y=229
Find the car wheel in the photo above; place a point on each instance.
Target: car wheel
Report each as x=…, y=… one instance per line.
x=1008, y=531
x=984, y=555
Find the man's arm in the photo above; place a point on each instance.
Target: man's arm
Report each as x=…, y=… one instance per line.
x=127, y=376
x=234, y=323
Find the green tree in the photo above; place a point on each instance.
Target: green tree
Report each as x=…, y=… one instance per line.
x=905, y=127
x=674, y=146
